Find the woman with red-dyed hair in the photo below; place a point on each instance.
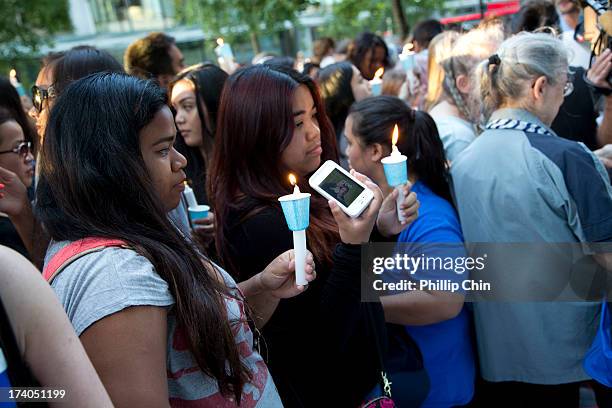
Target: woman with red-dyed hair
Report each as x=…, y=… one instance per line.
x=320, y=349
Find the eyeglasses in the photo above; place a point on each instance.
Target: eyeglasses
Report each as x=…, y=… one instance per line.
x=22, y=149
x=569, y=85
x=39, y=96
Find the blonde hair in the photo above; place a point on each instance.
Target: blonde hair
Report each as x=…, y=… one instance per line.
x=522, y=58
x=440, y=48
x=469, y=49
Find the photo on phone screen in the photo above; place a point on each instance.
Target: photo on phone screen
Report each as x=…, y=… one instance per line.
x=341, y=187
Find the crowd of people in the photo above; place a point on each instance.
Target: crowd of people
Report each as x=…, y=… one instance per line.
x=505, y=128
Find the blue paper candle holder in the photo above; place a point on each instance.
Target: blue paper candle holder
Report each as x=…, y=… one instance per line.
x=396, y=171
x=296, y=210
x=408, y=62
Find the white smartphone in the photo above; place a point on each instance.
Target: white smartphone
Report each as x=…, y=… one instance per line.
x=335, y=183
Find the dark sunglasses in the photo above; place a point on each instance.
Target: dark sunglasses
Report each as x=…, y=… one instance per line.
x=22, y=149
x=39, y=95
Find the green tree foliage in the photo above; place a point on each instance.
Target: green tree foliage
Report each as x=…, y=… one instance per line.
x=232, y=19
x=350, y=17
x=25, y=25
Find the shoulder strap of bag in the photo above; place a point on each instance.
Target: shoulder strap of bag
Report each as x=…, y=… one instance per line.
x=74, y=251
x=384, y=380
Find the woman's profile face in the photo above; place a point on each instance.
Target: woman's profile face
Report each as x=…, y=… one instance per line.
x=303, y=154
x=373, y=60
x=43, y=81
x=359, y=156
x=11, y=138
x=184, y=102
x=164, y=164
x=550, y=97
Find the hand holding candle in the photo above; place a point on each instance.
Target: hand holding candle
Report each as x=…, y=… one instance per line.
x=376, y=83
x=296, y=208
x=396, y=171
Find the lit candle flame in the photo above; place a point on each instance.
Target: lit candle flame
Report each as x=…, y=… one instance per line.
x=395, y=135
x=407, y=48
x=220, y=42
x=13, y=73
x=185, y=183
x=379, y=73
x=292, y=179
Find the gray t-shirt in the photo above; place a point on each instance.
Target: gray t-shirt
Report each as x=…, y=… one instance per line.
x=519, y=186
x=456, y=134
x=101, y=283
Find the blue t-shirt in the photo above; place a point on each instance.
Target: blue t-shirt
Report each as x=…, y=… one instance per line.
x=446, y=347
x=4, y=380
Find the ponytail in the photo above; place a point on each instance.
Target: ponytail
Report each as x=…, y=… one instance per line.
x=489, y=94
x=506, y=76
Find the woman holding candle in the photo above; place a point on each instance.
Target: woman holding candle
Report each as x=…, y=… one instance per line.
x=194, y=97
x=436, y=320
x=161, y=323
x=320, y=350
x=369, y=52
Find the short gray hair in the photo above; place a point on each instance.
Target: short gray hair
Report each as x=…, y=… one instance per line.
x=522, y=58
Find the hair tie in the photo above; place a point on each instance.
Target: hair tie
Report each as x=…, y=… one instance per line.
x=494, y=60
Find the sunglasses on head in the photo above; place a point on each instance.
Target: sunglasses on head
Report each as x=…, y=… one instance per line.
x=39, y=95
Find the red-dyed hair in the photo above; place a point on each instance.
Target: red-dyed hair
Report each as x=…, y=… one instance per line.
x=254, y=126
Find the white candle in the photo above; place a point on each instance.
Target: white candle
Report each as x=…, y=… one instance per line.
x=299, y=242
x=190, y=196
x=299, y=247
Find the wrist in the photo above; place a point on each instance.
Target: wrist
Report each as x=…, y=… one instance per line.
x=260, y=286
x=262, y=289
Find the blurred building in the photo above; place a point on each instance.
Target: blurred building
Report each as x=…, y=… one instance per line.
x=113, y=24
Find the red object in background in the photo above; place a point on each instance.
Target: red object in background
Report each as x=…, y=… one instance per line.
x=498, y=9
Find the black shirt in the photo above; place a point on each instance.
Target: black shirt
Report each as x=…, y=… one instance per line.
x=10, y=238
x=320, y=350
x=577, y=116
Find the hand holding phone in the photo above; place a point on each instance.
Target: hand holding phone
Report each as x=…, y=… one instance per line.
x=357, y=230
x=335, y=183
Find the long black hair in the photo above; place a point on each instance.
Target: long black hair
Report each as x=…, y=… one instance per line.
x=247, y=175
x=208, y=80
x=78, y=62
x=373, y=121
x=9, y=99
x=335, y=85
x=91, y=158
